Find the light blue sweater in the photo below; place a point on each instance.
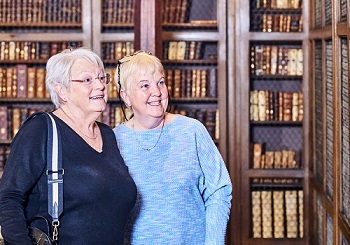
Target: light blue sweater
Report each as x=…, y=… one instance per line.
x=184, y=189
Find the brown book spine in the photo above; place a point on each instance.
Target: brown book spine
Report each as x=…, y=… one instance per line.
x=16, y=120
x=203, y=83
x=3, y=123
x=183, y=83
x=40, y=83
x=188, y=83
x=31, y=82
x=9, y=82
x=287, y=106
x=169, y=74
x=177, y=83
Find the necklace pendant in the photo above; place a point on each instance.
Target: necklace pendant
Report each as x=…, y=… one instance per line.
x=148, y=149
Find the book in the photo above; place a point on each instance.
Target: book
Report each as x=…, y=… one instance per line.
x=172, y=51
x=292, y=61
x=256, y=214
x=257, y=153
x=287, y=106
x=181, y=49
x=301, y=212
x=254, y=108
x=40, y=82
x=31, y=82
x=21, y=81
x=16, y=121
x=291, y=213
x=278, y=214
x=262, y=105
x=203, y=83
x=295, y=106
x=9, y=82
x=266, y=204
x=3, y=123
x=177, y=83
x=258, y=60
x=169, y=74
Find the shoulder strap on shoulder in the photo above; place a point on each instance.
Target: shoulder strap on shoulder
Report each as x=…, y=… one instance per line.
x=54, y=173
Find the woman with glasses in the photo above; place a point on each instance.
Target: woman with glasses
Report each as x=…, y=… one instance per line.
x=184, y=189
x=98, y=192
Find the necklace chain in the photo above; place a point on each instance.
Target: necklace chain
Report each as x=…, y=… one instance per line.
x=95, y=134
x=138, y=141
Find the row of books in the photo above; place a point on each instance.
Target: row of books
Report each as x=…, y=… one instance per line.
x=285, y=159
x=176, y=11
x=113, y=116
x=23, y=50
x=22, y=81
x=183, y=50
x=121, y=11
x=40, y=11
x=192, y=83
x=277, y=23
x=116, y=50
x=209, y=118
x=276, y=60
x=267, y=105
x=11, y=118
x=277, y=214
x=278, y=4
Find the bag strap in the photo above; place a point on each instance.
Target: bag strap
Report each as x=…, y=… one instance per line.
x=54, y=174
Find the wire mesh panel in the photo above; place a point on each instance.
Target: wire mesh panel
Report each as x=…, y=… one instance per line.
x=318, y=110
x=343, y=11
x=328, y=12
x=329, y=119
x=318, y=13
x=329, y=229
x=345, y=167
x=276, y=104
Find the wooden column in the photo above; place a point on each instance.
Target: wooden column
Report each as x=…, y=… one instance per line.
x=148, y=26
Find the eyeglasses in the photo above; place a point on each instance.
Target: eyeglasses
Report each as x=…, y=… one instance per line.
x=88, y=81
x=119, y=63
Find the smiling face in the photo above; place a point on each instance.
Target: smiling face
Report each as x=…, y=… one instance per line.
x=147, y=95
x=83, y=98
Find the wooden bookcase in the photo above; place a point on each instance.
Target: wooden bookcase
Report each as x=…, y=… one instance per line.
x=108, y=26
x=271, y=200
x=329, y=111
x=29, y=35
x=196, y=26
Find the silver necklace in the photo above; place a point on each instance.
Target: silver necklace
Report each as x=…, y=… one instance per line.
x=95, y=134
x=138, y=141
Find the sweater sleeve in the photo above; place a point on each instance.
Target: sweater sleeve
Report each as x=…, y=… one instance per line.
x=216, y=187
x=24, y=167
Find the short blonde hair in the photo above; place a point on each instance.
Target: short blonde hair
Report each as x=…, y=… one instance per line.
x=138, y=64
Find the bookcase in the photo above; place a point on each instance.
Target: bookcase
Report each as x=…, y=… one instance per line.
x=268, y=130
x=329, y=110
x=32, y=31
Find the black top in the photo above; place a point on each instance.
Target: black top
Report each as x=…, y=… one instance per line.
x=98, y=190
